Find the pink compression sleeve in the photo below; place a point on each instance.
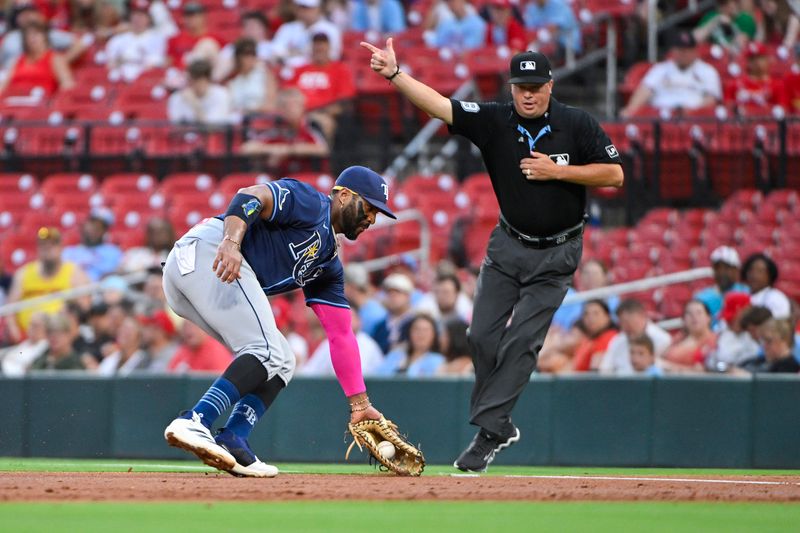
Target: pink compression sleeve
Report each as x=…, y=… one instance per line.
x=345, y=356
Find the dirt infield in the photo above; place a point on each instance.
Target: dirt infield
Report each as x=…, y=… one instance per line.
x=207, y=487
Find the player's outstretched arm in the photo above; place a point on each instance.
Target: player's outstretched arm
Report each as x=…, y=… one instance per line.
x=384, y=62
x=249, y=204
x=346, y=359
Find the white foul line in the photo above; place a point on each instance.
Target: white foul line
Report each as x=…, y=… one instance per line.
x=675, y=479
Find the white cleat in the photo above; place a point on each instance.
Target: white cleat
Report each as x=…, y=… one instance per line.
x=193, y=436
x=247, y=464
x=257, y=469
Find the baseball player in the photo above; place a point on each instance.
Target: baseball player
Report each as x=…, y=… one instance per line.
x=273, y=238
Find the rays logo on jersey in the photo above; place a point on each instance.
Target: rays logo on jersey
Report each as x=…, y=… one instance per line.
x=251, y=206
x=304, y=255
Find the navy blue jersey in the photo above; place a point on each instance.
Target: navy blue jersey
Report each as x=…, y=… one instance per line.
x=296, y=246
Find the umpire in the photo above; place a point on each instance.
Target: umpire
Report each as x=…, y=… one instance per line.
x=541, y=155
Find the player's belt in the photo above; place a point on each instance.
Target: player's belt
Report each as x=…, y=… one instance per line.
x=543, y=242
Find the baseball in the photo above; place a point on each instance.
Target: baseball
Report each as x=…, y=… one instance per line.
x=386, y=449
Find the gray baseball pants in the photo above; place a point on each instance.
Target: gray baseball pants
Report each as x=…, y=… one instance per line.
x=527, y=286
x=237, y=314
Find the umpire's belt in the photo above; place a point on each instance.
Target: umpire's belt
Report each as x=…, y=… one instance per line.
x=543, y=242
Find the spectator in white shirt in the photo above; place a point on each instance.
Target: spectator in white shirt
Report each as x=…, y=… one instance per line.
x=253, y=88
x=140, y=48
x=254, y=26
x=760, y=273
x=682, y=82
x=161, y=18
x=293, y=39
x=320, y=362
x=446, y=301
x=633, y=322
x=201, y=102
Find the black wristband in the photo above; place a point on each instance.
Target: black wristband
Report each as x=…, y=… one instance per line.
x=245, y=206
x=393, y=76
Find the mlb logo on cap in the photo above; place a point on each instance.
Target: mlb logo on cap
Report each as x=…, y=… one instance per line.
x=530, y=67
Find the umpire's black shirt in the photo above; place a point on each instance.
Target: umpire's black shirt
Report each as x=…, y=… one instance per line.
x=538, y=208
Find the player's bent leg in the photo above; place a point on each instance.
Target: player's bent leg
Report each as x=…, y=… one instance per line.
x=246, y=413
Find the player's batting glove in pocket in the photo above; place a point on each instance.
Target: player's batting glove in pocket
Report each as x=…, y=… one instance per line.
x=185, y=254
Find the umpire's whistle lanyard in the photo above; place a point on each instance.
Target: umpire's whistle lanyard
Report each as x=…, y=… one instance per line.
x=531, y=139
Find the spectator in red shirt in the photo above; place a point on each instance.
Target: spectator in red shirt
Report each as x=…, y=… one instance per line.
x=290, y=138
x=194, y=40
x=756, y=91
x=38, y=66
x=504, y=29
x=198, y=352
x=326, y=85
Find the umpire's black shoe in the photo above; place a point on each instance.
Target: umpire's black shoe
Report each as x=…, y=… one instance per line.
x=482, y=449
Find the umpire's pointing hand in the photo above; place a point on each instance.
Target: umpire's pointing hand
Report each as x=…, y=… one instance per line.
x=383, y=62
x=228, y=261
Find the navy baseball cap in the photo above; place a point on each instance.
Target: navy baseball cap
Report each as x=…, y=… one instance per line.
x=530, y=67
x=369, y=185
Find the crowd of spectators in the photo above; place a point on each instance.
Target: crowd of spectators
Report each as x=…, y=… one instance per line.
x=737, y=60
x=282, y=70
x=405, y=327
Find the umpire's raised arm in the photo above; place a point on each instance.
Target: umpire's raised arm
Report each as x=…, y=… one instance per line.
x=384, y=62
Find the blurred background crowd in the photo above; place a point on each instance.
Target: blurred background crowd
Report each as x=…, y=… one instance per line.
x=739, y=324
x=288, y=80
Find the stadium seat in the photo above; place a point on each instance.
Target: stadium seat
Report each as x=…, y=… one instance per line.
x=128, y=183
x=320, y=181
x=231, y=183
x=18, y=182
x=127, y=238
x=665, y=217
x=785, y=198
x=16, y=249
x=186, y=182
x=68, y=182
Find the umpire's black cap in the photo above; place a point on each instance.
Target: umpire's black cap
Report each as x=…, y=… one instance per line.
x=530, y=67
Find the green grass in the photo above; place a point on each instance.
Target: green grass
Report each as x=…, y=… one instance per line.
x=12, y=464
x=415, y=517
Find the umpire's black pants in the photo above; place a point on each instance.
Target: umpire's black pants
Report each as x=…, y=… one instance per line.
x=526, y=285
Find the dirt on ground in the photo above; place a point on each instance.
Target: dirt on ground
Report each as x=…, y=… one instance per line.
x=210, y=487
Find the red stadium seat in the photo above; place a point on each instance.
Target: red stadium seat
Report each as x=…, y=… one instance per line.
x=18, y=182
x=323, y=182
x=419, y=183
x=127, y=238
x=128, y=183
x=68, y=182
x=785, y=198
x=231, y=183
x=16, y=249
x=175, y=185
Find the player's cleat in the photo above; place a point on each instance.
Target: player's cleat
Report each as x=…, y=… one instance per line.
x=482, y=449
x=191, y=435
x=247, y=464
